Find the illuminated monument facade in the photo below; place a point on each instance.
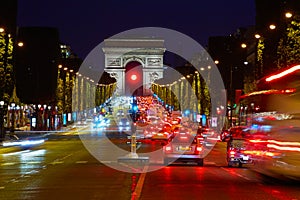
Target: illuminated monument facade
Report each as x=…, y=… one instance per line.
x=134, y=63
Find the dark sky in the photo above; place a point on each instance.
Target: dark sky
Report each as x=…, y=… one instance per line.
x=83, y=24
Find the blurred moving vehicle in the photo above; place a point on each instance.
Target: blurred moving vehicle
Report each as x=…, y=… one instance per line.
x=124, y=124
x=162, y=135
x=224, y=135
x=236, y=152
x=26, y=142
x=184, y=148
x=237, y=131
x=272, y=114
x=101, y=122
x=149, y=131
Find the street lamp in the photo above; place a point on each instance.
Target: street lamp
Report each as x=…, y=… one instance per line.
x=20, y=44
x=49, y=118
x=257, y=36
x=12, y=128
x=288, y=14
x=38, y=117
x=243, y=45
x=272, y=26
x=2, y=134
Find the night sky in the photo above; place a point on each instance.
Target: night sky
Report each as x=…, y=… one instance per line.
x=86, y=23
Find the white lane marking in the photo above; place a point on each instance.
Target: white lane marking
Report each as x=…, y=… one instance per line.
x=8, y=164
x=32, y=162
x=60, y=160
x=2, y=187
x=81, y=162
x=139, y=186
x=56, y=162
x=32, y=172
x=15, y=153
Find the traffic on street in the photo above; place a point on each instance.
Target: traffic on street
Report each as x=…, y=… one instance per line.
x=63, y=168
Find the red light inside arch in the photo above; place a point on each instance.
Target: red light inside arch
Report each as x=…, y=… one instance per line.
x=133, y=77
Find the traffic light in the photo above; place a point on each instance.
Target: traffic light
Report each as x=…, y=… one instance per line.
x=134, y=109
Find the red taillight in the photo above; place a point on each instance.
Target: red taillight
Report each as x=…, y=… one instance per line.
x=168, y=148
x=198, y=150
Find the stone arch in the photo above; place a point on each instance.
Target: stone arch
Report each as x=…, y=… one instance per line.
x=133, y=59
x=134, y=78
x=147, y=51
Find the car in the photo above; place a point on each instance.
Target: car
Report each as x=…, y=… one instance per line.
x=184, y=148
x=162, y=135
x=236, y=156
x=124, y=123
x=149, y=131
x=237, y=131
x=101, y=123
x=224, y=135
x=120, y=113
x=154, y=120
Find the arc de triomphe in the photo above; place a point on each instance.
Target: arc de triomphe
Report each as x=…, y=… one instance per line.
x=146, y=51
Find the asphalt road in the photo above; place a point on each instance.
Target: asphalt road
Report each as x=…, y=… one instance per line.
x=62, y=168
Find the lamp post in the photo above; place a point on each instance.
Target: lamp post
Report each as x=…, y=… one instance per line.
x=49, y=118
x=44, y=117
x=12, y=128
x=38, y=117
x=2, y=134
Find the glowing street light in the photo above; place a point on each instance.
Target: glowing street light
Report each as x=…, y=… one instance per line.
x=288, y=14
x=20, y=44
x=257, y=36
x=243, y=45
x=12, y=128
x=272, y=27
x=2, y=133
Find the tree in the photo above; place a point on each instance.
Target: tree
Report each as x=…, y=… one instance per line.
x=6, y=66
x=288, y=50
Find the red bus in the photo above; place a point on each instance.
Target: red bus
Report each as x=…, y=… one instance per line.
x=272, y=115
